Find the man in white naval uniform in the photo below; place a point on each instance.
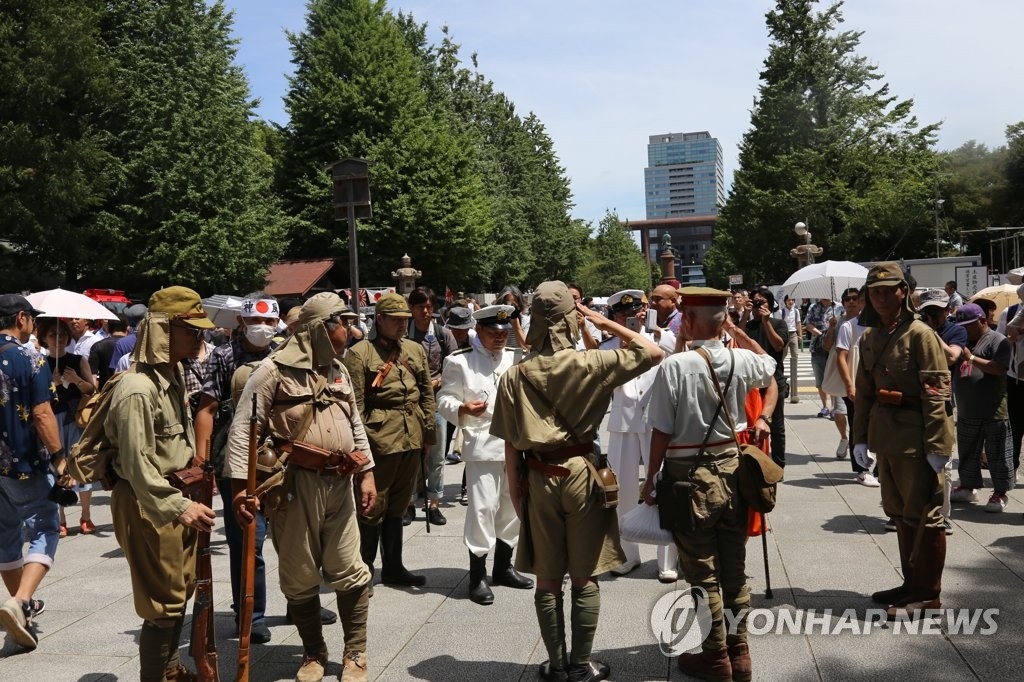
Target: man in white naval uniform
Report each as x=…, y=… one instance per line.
x=629, y=434
x=469, y=380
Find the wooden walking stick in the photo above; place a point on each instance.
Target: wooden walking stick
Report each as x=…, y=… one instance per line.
x=764, y=548
x=248, y=578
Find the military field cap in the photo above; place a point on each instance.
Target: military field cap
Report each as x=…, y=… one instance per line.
x=626, y=301
x=551, y=298
x=495, y=316
x=181, y=304
x=885, y=274
x=293, y=315
x=393, y=304
x=12, y=304
x=967, y=313
x=699, y=296
x=459, y=317
x=934, y=297
x=322, y=307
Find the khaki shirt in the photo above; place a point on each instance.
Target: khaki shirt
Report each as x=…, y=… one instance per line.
x=579, y=383
x=151, y=428
x=283, y=395
x=909, y=360
x=398, y=416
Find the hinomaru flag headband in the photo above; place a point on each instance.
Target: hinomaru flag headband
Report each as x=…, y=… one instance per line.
x=263, y=307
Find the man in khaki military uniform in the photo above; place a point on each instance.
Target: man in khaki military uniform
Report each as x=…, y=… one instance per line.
x=155, y=525
x=392, y=386
x=304, y=397
x=902, y=412
x=547, y=410
x=692, y=441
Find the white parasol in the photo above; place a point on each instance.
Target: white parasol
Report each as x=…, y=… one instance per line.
x=63, y=303
x=223, y=310
x=827, y=279
x=1003, y=295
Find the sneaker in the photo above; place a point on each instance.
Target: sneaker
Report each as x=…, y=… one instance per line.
x=962, y=494
x=409, y=516
x=259, y=633
x=949, y=527
x=890, y=525
x=824, y=413
x=453, y=458
x=667, y=576
x=16, y=618
x=867, y=480
x=463, y=498
x=38, y=606
x=996, y=503
x=436, y=517
x=842, y=449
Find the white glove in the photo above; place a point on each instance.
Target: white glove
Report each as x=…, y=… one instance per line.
x=861, y=455
x=938, y=462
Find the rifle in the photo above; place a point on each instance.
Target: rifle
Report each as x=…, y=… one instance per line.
x=246, y=590
x=764, y=547
x=203, y=646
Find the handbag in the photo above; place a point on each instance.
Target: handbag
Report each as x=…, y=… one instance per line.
x=757, y=475
x=643, y=525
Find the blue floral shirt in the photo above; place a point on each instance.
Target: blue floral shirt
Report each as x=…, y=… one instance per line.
x=25, y=381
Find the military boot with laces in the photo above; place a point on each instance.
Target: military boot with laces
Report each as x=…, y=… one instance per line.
x=355, y=669
x=312, y=667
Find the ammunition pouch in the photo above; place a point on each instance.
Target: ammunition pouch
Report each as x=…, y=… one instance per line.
x=188, y=480
x=324, y=462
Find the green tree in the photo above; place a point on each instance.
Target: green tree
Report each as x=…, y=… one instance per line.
x=828, y=145
x=1014, y=192
x=614, y=261
x=55, y=168
x=533, y=237
x=358, y=91
x=192, y=203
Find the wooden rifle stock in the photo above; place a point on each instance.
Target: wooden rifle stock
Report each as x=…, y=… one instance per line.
x=246, y=588
x=203, y=646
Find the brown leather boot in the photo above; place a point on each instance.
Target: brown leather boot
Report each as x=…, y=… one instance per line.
x=739, y=658
x=926, y=585
x=905, y=537
x=707, y=665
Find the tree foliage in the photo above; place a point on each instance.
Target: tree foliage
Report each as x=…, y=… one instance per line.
x=830, y=146
x=358, y=92
x=193, y=201
x=614, y=261
x=55, y=165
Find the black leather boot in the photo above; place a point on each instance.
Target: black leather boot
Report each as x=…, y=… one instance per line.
x=392, y=571
x=479, y=591
x=503, y=573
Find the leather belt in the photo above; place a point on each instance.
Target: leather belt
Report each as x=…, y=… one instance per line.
x=566, y=452
x=325, y=465
x=545, y=468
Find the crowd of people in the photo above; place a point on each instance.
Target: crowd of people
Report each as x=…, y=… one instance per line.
x=364, y=416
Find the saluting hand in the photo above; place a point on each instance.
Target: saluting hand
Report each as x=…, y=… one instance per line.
x=198, y=516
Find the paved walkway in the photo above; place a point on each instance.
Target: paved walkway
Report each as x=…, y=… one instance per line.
x=828, y=550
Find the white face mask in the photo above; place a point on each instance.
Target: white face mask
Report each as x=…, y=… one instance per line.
x=259, y=335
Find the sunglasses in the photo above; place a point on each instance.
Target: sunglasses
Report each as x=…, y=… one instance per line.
x=847, y=299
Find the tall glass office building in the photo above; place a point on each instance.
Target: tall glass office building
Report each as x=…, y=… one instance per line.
x=684, y=175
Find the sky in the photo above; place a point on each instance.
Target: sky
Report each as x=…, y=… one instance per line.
x=605, y=75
